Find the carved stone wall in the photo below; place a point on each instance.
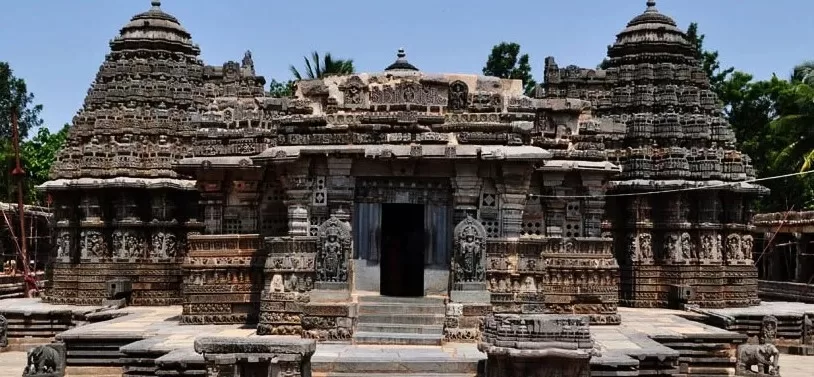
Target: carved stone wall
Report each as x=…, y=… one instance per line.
x=223, y=279
x=662, y=123
x=290, y=275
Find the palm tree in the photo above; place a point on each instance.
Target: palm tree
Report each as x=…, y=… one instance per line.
x=317, y=68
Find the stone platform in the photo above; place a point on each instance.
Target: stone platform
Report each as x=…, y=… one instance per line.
x=150, y=341
x=795, y=332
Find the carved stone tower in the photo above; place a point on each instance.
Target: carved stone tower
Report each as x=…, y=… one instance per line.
x=118, y=202
x=663, y=123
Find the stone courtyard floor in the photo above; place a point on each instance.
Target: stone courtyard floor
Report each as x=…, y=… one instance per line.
x=161, y=332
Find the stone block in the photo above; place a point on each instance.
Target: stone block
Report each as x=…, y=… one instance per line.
x=330, y=310
x=330, y=295
x=477, y=309
x=469, y=322
x=479, y=296
x=260, y=345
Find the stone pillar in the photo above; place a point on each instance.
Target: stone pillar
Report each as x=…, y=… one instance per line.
x=341, y=185
x=513, y=189
x=271, y=356
x=467, y=187
x=537, y=345
x=298, y=190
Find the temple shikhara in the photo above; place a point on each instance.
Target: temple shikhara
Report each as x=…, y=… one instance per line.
x=403, y=206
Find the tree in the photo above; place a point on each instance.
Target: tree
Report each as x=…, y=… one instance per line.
x=504, y=62
x=709, y=61
x=37, y=155
x=317, y=68
x=279, y=89
x=14, y=95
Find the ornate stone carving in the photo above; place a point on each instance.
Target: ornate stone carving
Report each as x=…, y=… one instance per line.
x=469, y=257
x=165, y=245
x=458, y=96
x=764, y=356
x=768, y=330
x=64, y=244
x=334, y=251
x=747, y=246
x=734, y=250
x=92, y=244
x=672, y=247
x=127, y=244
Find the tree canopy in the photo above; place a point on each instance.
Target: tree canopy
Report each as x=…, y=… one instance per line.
x=14, y=96
x=317, y=68
x=506, y=62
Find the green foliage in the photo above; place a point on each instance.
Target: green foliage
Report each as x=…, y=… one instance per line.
x=709, y=61
x=37, y=155
x=279, y=89
x=317, y=68
x=504, y=62
x=14, y=95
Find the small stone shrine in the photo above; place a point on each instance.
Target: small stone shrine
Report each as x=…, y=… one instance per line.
x=663, y=124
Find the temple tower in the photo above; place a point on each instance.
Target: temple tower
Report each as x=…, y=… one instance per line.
x=664, y=125
x=122, y=213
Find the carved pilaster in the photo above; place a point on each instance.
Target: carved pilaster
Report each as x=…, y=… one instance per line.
x=513, y=189
x=341, y=185
x=298, y=192
x=467, y=186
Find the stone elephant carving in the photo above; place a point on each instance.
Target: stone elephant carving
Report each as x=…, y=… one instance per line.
x=44, y=361
x=764, y=356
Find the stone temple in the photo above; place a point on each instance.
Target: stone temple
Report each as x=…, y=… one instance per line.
x=454, y=195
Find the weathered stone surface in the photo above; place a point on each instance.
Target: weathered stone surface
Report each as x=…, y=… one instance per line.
x=272, y=345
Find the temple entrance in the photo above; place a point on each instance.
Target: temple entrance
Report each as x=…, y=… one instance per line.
x=402, y=249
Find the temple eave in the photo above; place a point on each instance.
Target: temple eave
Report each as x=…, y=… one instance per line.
x=388, y=151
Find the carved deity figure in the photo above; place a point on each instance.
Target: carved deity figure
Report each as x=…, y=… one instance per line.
x=458, y=96
x=93, y=244
x=707, y=246
x=164, y=245
x=686, y=246
x=126, y=245
x=672, y=249
x=334, y=249
x=469, y=250
x=747, y=244
x=733, y=247
x=768, y=330
x=64, y=245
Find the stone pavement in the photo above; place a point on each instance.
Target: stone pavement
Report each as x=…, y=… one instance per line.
x=12, y=364
x=796, y=366
x=776, y=308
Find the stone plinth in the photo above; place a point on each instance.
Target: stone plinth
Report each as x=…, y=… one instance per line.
x=223, y=279
x=290, y=273
x=532, y=345
x=267, y=356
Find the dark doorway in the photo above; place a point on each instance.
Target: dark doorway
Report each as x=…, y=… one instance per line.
x=402, y=260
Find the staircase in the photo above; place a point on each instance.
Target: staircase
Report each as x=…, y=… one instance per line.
x=400, y=321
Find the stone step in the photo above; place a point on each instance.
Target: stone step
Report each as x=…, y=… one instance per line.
x=397, y=339
x=400, y=308
x=403, y=300
x=408, y=319
x=400, y=328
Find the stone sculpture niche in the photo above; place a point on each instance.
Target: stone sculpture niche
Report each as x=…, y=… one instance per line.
x=469, y=259
x=333, y=250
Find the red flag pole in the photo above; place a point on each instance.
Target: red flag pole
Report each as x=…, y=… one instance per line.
x=19, y=174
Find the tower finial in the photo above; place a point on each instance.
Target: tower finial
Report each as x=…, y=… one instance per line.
x=401, y=54
x=651, y=3
x=155, y=3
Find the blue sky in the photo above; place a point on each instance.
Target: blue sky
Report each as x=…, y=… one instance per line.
x=57, y=46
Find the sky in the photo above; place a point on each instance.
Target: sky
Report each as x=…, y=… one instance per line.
x=57, y=46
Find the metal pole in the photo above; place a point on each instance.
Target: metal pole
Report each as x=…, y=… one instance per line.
x=19, y=174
